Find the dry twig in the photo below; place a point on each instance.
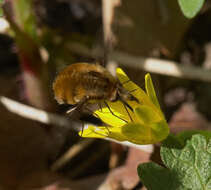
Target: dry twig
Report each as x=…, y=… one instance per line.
x=158, y=66
x=53, y=119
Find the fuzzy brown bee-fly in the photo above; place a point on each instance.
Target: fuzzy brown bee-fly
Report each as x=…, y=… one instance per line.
x=82, y=83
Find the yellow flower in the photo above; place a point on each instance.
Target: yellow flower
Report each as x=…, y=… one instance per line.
x=146, y=124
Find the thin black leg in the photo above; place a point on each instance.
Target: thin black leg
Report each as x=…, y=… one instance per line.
x=127, y=112
x=97, y=117
x=113, y=113
x=82, y=129
x=100, y=106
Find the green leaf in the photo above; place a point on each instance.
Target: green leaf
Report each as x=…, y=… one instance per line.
x=24, y=12
x=188, y=168
x=183, y=136
x=190, y=7
x=155, y=177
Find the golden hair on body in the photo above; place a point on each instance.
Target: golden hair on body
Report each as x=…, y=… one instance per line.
x=79, y=83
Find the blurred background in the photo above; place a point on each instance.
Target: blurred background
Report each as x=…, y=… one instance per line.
x=39, y=145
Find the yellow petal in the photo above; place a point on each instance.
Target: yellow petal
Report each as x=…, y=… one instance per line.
x=147, y=115
x=144, y=125
x=125, y=112
x=112, y=120
x=116, y=133
x=138, y=133
x=133, y=88
x=146, y=134
x=151, y=93
x=103, y=132
x=160, y=130
x=117, y=114
x=94, y=132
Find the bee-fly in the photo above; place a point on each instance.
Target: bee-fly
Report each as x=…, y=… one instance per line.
x=82, y=83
